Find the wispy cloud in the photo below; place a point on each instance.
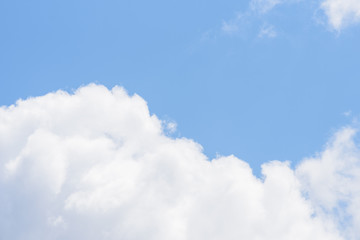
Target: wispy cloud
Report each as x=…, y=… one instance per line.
x=341, y=13
x=263, y=6
x=267, y=31
x=243, y=21
x=237, y=24
x=230, y=26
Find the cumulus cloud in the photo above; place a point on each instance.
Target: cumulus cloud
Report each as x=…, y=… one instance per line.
x=96, y=164
x=341, y=13
x=332, y=182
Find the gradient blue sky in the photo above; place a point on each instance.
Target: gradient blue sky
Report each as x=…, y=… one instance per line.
x=278, y=94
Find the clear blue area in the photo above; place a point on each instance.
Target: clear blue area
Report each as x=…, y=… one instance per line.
x=257, y=98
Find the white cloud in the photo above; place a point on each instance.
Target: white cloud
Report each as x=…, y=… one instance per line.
x=96, y=165
x=263, y=6
x=245, y=20
x=267, y=31
x=238, y=25
x=332, y=181
x=230, y=26
x=341, y=13
x=170, y=126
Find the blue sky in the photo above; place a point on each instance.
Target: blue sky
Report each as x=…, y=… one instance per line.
x=250, y=85
x=262, y=83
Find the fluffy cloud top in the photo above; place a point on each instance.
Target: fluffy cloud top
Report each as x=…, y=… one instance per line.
x=96, y=165
x=342, y=12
